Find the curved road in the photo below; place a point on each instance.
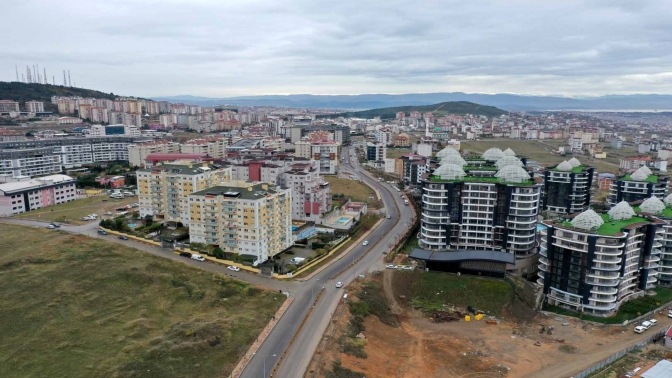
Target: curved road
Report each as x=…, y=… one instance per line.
x=301, y=352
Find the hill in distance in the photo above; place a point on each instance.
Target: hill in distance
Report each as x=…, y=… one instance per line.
x=441, y=109
x=22, y=92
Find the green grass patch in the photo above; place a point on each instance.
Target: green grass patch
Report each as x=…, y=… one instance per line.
x=612, y=227
x=355, y=190
x=628, y=310
x=467, y=168
x=491, y=180
x=74, y=306
x=71, y=212
x=578, y=169
x=431, y=290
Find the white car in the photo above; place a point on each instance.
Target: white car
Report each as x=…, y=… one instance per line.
x=646, y=325
x=339, y=284
x=366, y=242
x=234, y=268
x=639, y=329
x=407, y=267
x=669, y=314
x=653, y=322
x=391, y=266
x=197, y=257
x=51, y=226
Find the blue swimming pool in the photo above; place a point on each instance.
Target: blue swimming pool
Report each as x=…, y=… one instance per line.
x=342, y=220
x=294, y=228
x=541, y=227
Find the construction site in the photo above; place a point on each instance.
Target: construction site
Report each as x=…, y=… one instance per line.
x=385, y=329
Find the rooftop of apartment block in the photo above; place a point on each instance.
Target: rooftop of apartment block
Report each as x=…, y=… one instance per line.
x=35, y=183
x=247, y=192
x=191, y=168
x=620, y=217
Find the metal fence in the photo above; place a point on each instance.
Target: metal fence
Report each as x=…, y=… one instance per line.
x=605, y=363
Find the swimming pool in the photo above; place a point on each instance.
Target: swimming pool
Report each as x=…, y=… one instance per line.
x=294, y=228
x=342, y=220
x=541, y=227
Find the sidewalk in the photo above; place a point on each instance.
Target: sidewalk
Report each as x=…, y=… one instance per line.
x=238, y=370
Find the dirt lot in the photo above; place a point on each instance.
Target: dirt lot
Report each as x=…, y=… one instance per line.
x=71, y=212
x=424, y=349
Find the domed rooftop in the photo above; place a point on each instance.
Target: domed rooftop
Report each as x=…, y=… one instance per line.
x=589, y=220
x=574, y=162
x=447, y=152
x=509, y=152
x=450, y=172
x=564, y=166
x=652, y=206
x=641, y=174
x=621, y=211
x=508, y=160
x=493, y=154
x=668, y=200
x=453, y=159
x=512, y=173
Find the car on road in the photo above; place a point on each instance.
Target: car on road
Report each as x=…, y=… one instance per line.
x=339, y=284
x=389, y=216
x=669, y=314
x=51, y=227
x=55, y=225
x=197, y=257
x=406, y=267
x=639, y=329
x=185, y=254
x=234, y=268
x=390, y=266
x=646, y=325
x=102, y=232
x=653, y=322
x=366, y=242
x=122, y=237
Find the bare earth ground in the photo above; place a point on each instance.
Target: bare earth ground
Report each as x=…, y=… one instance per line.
x=420, y=348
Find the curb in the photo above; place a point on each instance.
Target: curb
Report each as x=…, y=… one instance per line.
x=247, y=357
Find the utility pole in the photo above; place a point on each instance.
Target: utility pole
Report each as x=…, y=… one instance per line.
x=17, y=72
x=64, y=82
x=45, y=76
x=69, y=82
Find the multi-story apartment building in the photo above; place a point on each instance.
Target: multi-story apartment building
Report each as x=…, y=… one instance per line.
x=97, y=131
x=592, y=263
x=638, y=186
x=66, y=106
x=29, y=162
x=215, y=147
x=376, y=151
x=311, y=193
x=7, y=106
x=138, y=152
x=34, y=106
x=662, y=210
x=245, y=219
x=98, y=114
x=567, y=187
x=163, y=189
x=485, y=208
x=167, y=120
x=410, y=168
x=25, y=195
x=152, y=107
x=71, y=151
x=324, y=151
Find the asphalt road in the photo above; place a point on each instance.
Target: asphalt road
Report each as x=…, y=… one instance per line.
x=304, y=293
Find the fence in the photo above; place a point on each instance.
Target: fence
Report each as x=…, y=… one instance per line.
x=605, y=363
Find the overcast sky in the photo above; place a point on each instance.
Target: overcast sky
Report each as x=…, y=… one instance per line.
x=226, y=48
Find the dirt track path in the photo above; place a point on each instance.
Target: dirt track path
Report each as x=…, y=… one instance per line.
x=389, y=291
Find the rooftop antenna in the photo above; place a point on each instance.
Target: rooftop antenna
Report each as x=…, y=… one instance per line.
x=69, y=82
x=17, y=72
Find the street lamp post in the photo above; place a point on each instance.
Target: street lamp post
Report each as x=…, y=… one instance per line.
x=265, y=356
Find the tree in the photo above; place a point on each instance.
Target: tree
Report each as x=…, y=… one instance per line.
x=30, y=134
x=149, y=220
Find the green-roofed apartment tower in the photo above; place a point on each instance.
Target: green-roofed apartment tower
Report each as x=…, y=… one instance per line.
x=568, y=187
x=638, y=186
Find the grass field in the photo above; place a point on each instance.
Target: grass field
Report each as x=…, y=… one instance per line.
x=71, y=212
x=536, y=150
x=74, y=306
x=431, y=290
x=393, y=153
x=356, y=190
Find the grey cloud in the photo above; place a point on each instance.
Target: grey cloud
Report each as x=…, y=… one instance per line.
x=223, y=48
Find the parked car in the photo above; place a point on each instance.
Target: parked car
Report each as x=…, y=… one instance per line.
x=51, y=227
x=646, y=325
x=669, y=314
x=366, y=242
x=197, y=257
x=639, y=329
x=391, y=266
x=653, y=322
x=55, y=224
x=122, y=237
x=185, y=254
x=234, y=268
x=407, y=267
x=339, y=284
x=102, y=232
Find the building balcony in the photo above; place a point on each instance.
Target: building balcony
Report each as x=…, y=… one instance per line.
x=607, y=267
x=603, y=282
x=604, y=290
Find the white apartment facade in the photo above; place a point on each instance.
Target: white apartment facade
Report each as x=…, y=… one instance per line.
x=34, y=106
x=137, y=153
x=20, y=196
